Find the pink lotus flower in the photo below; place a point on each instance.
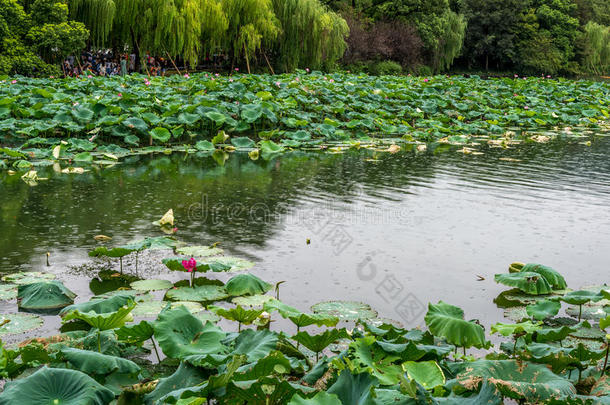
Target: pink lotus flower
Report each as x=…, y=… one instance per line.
x=307, y=70
x=174, y=230
x=190, y=265
x=230, y=80
x=426, y=80
x=216, y=74
x=526, y=107
x=89, y=76
x=332, y=80
x=120, y=94
x=186, y=75
x=14, y=81
x=237, y=103
x=548, y=76
x=278, y=84
x=237, y=69
x=51, y=77
x=516, y=76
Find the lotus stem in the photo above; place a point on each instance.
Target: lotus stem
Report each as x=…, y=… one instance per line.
x=121, y=264
x=239, y=326
x=464, y=350
x=317, y=355
x=155, y=347
x=605, y=360
x=298, y=330
x=48, y=254
x=99, y=342
x=137, y=253
x=579, y=312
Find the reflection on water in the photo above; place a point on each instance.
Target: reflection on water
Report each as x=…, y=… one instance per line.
x=395, y=231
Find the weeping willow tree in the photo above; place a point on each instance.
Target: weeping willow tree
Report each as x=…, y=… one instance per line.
x=252, y=24
x=596, y=55
x=97, y=15
x=450, y=44
x=311, y=35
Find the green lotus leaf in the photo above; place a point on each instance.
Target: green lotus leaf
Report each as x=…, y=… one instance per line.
x=246, y=284
x=83, y=157
x=201, y=293
x=516, y=297
x=103, y=251
x=234, y=263
x=188, y=118
x=251, y=112
x=367, y=356
x=252, y=300
x=237, y=314
x=321, y=398
x=160, y=134
x=82, y=114
x=447, y=321
x=301, y=320
x=56, y=386
x=354, y=388
x=559, y=358
x=216, y=116
x=242, y=142
x=8, y=291
x=543, y=309
x=426, y=373
x=136, y=123
x=199, y=251
x=548, y=334
x=185, y=376
x=205, y=146
x=44, y=296
x=345, y=310
x=135, y=334
x=28, y=277
x=255, y=344
x=100, y=313
x=18, y=323
x=581, y=297
x=589, y=311
x=160, y=242
x=508, y=329
x=151, y=285
x=90, y=362
x=181, y=334
x=319, y=342
x=285, y=310
x=270, y=147
x=102, y=305
x=530, y=283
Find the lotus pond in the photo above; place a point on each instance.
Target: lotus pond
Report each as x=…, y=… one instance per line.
x=304, y=277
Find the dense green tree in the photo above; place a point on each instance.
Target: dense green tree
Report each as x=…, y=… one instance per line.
x=43, y=32
x=596, y=44
x=491, y=35
x=311, y=35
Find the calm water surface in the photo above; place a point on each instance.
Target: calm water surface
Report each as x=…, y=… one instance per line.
x=396, y=231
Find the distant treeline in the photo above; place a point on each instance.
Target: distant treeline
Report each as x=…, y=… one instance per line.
x=379, y=36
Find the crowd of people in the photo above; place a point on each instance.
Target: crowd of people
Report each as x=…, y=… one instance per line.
x=105, y=63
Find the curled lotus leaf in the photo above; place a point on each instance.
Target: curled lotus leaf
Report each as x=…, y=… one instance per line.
x=519, y=380
x=447, y=321
x=528, y=282
x=44, y=295
x=246, y=284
